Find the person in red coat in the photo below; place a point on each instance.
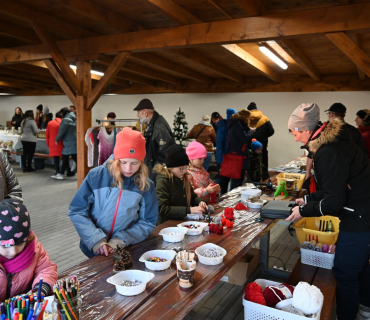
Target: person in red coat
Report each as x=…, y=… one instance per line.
x=55, y=150
x=363, y=124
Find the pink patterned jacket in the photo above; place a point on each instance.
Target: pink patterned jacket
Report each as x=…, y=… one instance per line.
x=199, y=179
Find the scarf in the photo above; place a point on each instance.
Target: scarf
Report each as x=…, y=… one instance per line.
x=20, y=262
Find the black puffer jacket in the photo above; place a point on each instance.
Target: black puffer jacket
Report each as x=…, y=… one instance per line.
x=356, y=137
x=239, y=140
x=342, y=172
x=158, y=138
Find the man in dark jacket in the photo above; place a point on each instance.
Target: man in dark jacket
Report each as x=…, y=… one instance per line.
x=342, y=172
x=338, y=111
x=263, y=130
x=158, y=135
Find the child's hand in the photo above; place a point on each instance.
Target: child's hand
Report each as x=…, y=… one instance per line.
x=104, y=250
x=197, y=210
x=211, y=189
x=203, y=205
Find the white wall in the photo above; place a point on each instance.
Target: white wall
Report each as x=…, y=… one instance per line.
x=276, y=106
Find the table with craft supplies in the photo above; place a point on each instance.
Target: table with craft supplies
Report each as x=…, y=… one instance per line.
x=163, y=295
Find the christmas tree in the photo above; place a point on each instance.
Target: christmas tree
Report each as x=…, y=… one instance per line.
x=180, y=126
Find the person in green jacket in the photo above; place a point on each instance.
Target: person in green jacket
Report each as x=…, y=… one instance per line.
x=176, y=197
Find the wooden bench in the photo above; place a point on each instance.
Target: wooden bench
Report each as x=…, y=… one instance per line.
x=321, y=278
x=37, y=155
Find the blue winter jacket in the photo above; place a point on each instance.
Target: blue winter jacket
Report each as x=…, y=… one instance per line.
x=67, y=132
x=221, y=140
x=92, y=209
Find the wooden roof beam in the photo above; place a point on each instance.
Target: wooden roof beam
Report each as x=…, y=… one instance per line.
x=98, y=13
x=175, y=11
x=351, y=50
x=59, y=58
x=272, y=27
x=109, y=74
x=141, y=70
x=18, y=71
x=53, y=68
x=297, y=54
x=355, y=38
x=215, y=66
x=246, y=57
x=252, y=8
x=168, y=65
x=22, y=12
x=219, y=8
x=18, y=32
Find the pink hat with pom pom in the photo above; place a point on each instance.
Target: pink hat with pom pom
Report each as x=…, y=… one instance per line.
x=196, y=150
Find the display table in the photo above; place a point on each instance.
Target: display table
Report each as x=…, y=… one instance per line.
x=15, y=138
x=163, y=298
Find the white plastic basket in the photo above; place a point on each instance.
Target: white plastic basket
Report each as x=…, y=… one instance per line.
x=317, y=259
x=255, y=311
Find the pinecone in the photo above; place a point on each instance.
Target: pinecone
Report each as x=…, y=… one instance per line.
x=122, y=258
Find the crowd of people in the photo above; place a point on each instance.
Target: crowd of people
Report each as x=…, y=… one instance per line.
x=150, y=179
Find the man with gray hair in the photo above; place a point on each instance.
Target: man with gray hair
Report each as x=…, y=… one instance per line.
x=342, y=173
x=158, y=135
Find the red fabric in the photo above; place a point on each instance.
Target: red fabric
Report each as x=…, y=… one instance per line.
x=91, y=137
x=227, y=223
x=312, y=185
x=365, y=131
x=231, y=166
x=253, y=293
x=40, y=267
x=240, y=206
x=129, y=144
x=51, y=133
x=272, y=292
x=229, y=213
x=216, y=229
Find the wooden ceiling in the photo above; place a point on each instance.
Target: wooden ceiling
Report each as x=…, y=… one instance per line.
x=186, y=45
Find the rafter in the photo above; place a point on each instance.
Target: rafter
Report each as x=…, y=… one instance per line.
x=252, y=8
x=297, y=54
x=275, y=26
x=215, y=66
x=109, y=74
x=351, y=50
x=59, y=58
x=25, y=13
x=18, y=32
x=252, y=61
x=59, y=78
x=175, y=11
x=96, y=12
x=355, y=38
x=168, y=65
x=219, y=8
x=21, y=72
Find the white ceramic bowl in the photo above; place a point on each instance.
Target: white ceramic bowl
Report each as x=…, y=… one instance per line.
x=194, y=232
x=169, y=255
x=254, y=206
x=248, y=192
x=210, y=261
x=139, y=275
x=173, y=238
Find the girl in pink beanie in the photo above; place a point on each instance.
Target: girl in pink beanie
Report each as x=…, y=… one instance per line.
x=199, y=178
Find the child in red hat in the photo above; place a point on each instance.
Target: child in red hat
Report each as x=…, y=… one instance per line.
x=117, y=203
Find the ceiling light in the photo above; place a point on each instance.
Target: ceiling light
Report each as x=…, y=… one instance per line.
x=92, y=71
x=6, y=94
x=273, y=57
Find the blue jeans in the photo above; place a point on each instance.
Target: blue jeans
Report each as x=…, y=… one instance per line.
x=88, y=253
x=207, y=161
x=352, y=273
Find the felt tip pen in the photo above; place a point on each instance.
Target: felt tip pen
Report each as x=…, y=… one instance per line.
x=16, y=314
x=3, y=317
x=39, y=293
x=30, y=314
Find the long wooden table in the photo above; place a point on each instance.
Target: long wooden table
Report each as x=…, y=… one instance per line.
x=163, y=297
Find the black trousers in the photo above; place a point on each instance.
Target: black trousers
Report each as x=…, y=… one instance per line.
x=65, y=164
x=56, y=164
x=352, y=273
x=28, y=152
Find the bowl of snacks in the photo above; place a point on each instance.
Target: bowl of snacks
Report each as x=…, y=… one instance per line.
x=158, y=259
x=195, y=228
x=131, y=282
x=173, y=234
x=210, y=254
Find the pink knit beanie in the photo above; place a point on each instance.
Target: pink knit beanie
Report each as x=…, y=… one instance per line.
x=196, y=150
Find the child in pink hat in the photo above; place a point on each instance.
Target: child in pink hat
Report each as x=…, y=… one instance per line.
x=199, y=178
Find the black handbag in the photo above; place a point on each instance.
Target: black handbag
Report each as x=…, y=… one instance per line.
x=277, y=209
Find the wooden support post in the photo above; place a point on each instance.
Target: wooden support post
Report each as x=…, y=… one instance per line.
x=83, y=118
